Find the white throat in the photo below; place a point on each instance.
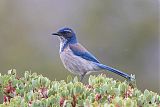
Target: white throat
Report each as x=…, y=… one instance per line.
x=62, y=43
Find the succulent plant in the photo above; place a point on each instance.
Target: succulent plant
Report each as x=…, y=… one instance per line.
x=34, y=90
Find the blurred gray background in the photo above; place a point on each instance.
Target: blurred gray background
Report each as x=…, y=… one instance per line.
x=121, y=33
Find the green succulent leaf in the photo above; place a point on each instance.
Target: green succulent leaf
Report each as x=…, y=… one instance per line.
x=33, y=90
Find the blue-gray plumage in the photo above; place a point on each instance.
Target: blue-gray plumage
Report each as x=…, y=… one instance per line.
x=77, y=59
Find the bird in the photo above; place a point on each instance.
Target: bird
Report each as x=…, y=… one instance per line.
x=77, y=59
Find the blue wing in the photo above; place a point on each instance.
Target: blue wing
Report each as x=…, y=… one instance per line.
x=79, y=50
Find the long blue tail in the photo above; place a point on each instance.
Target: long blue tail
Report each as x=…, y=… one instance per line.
x=114, y=70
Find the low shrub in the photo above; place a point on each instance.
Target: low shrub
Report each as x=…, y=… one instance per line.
x=34, y=90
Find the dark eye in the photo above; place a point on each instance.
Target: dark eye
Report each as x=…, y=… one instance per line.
x=65, y=32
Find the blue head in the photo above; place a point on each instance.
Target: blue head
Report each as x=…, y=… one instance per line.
x=66, y=34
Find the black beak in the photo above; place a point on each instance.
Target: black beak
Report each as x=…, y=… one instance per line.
x=55, y=34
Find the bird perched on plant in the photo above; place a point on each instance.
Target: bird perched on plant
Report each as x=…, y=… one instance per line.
x=79, y=60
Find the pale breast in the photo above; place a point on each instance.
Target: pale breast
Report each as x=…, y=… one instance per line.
x=76, y=64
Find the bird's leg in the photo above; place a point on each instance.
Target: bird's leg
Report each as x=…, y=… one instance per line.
x=82, y=76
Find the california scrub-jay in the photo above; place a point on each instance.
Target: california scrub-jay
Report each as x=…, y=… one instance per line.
x=77, y=59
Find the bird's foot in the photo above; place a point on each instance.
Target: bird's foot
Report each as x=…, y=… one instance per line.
x=82, y=76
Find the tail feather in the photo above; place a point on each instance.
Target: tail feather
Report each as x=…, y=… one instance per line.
x=114, y=71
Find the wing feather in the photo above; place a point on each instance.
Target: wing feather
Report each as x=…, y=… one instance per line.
x=79, y=50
